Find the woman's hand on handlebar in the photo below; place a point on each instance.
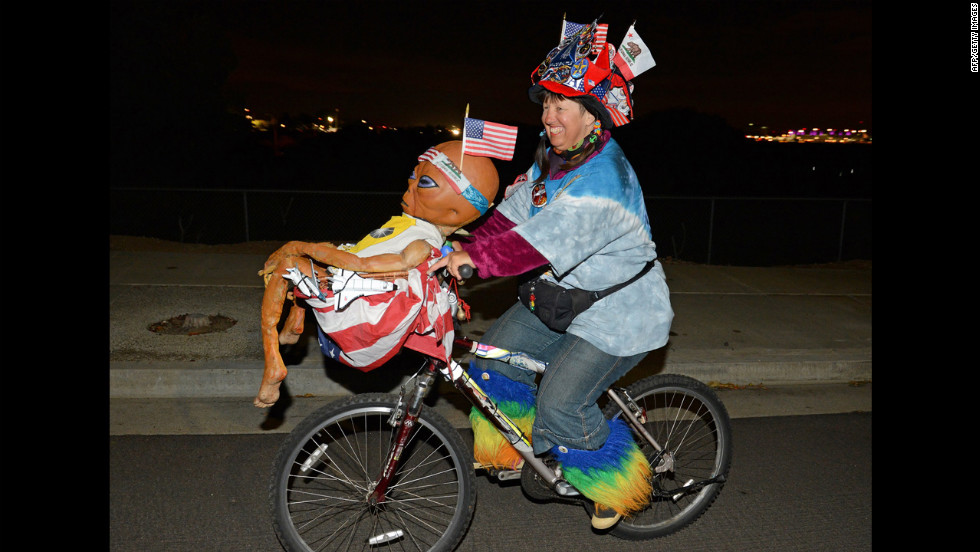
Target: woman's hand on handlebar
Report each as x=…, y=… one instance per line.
x=452, y=262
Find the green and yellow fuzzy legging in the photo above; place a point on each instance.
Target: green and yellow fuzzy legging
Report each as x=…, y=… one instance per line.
x=616, y=475
x=514, y=399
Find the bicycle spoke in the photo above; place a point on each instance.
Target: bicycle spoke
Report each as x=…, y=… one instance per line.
x=327, y=504
x=688, y=421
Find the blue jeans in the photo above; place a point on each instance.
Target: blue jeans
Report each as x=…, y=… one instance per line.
x=578, y=374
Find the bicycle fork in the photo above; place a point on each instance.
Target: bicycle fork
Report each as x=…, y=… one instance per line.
x=405, y=417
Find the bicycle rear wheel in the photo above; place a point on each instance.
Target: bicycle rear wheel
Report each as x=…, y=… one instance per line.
x=324, y=471
x=692, y=425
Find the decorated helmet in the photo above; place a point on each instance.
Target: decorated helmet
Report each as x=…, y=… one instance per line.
x=597, y=83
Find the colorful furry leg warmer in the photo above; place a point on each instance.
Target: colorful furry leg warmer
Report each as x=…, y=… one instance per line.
x=616, y=475
x=514, y=399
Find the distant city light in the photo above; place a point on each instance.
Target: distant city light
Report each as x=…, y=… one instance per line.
x=757, y=132
x=827, y=136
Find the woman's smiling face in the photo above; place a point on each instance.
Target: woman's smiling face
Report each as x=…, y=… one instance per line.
x=566, y=121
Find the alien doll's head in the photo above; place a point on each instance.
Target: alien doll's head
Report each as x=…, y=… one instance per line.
x=438, y=192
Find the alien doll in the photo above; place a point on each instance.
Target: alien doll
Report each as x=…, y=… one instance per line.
x=393, y=302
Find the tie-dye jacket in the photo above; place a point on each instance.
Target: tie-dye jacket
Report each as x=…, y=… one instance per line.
x=595, y=233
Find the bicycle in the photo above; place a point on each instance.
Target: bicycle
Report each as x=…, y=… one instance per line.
x=378, y=470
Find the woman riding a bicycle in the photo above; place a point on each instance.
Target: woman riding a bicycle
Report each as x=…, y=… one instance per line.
x=575, y=219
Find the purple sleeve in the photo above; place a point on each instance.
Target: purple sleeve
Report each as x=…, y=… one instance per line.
x=497, y=250
x=496, y=223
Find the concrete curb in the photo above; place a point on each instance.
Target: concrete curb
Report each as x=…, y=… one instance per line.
x=240, y=378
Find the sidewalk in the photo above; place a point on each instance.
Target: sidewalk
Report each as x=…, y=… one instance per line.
x=734, y=327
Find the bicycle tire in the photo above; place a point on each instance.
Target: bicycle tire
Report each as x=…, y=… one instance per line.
x=685, y=417
x=429, y=505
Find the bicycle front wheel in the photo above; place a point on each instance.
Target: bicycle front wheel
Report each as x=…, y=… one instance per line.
x=692, y=425
x=325, y=470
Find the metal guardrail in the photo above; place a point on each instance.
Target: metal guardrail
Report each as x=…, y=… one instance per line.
x=741, y=231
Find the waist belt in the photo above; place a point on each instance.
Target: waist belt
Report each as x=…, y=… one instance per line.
x=596, y=295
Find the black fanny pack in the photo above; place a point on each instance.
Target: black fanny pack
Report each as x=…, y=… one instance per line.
x=557, y=306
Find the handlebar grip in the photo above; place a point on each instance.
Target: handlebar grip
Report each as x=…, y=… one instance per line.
x=465, y=271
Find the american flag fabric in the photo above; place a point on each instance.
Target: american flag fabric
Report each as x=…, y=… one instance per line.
x=601, y=30
x=617, y=116
x=371, y=330
x=569, y=29
x=486, y=139
x=616, y=103
x=633, y=56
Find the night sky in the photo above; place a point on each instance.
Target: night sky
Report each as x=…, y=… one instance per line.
x=780, y=63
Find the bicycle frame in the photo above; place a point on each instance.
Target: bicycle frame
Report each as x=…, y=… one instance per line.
x=425, y=462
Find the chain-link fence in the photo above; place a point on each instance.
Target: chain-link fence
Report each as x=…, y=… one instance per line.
x=713, y=230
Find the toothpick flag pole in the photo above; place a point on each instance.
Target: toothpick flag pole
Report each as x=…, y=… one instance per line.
x=462, y=154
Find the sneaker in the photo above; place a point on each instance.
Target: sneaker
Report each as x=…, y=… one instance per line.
x=604, y=517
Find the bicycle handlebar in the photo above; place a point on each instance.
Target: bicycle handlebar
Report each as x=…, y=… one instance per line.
x=465, y=271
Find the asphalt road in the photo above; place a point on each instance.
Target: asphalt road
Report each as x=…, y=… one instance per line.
x=190, y=457
x=797, y=483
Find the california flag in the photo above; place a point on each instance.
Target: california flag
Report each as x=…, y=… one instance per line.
x=633, y=56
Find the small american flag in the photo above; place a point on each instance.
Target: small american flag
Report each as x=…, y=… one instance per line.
x=600, y=37
x=568, y=29
x=486, y=139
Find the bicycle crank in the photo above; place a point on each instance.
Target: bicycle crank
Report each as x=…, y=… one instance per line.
x=537, y=488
